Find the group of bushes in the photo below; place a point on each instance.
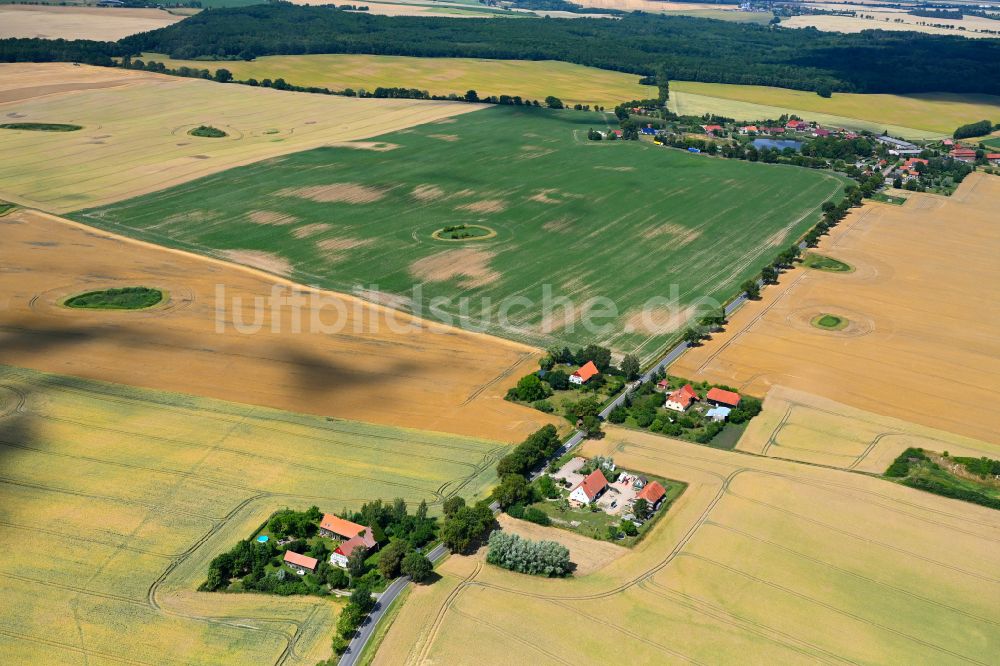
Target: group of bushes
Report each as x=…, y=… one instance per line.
x=532, y=452
x=464, y=526
x=915, y=469
x=540, y=558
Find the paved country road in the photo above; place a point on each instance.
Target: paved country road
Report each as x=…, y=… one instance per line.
x=357, y=644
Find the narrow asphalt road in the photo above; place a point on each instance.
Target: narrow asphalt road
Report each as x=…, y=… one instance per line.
x=357, y=644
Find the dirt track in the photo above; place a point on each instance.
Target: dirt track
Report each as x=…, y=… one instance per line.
x=922, y=345
x=437, y=378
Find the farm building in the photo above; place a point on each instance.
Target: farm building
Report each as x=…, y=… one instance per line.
x=592, y=487
x=993, y=158
x=747, y=129
x=300, y=563
x=717, y=396
x=653, y=493
x=662, y=385
x=343, y=552
x=819, y=131
x=898, y=146
x=712, y=129
x=583, y=375
x=963, y=154
x=334, y=527
x=718, y=414
x=681, y=399
x=796, y=125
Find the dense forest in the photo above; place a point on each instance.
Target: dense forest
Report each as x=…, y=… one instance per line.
x=683, y=48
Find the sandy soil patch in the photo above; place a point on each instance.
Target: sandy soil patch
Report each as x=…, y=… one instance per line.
x=352, y=359
x=924, y=337
x=336, y=193
x=377, y=146
x=310, y=230
x=552, y=196
x=142, y=117
x=265, y=261
x=559, y=224
x=677, y=235
x=659, y=320
x=97, y=23
x=427, y=192
x=485, y=206
x=450, y=138
x=589, y=555
x=271, y=217
x=335, y=249
x=473, y=265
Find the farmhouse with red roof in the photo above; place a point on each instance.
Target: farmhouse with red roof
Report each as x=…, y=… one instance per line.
x=586, y=371
x=590, y=488
x=653, y=493
x=717, y=396
x=681, y=399
x=300, y=563
x=712, y=129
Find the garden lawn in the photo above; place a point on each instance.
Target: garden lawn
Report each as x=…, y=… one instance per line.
x=575, y=219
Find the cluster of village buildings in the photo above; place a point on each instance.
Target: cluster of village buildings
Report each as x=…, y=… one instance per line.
x=352, y=538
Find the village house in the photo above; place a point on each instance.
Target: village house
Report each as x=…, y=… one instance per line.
x=300, y=564
x=993, y=158
x=353, y=536
x=797, y=125
x=584, y=374
x=820, y=132
x=749, y=129
x=721, y=397
x=343, y=552
x=592, y=487
x=681, y=399
x=653, y=493
x=713, y=129
x=967, y=155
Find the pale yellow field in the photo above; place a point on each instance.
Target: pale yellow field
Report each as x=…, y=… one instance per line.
x=923, y=116
x=760, y=561
x=135, y=130
x=118, y=498
x=801, y=426
x=922, y=345
x=347, y=358
x=97, y=23
x=974, y=26
x=439, y=76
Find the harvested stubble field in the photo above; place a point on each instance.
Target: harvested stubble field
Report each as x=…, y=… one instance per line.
x=440, y=76
x=922, y=345
x=621, y=220
x=118, y=498
x=760, y=561
x=924, y=116
x=97, y=23
x=135, y=130
x=972, y=27
x=382, y=366
x=805, y=427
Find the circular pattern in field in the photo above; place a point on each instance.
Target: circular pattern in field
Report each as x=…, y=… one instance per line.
x=459, y=233
x=830, y=322
x=826, y=319
x=116, y=298
x=175, y=296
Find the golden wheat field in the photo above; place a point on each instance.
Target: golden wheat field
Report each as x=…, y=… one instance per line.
x=135, y=130
x=330, y=355
x=870, y=18
x=921, y=344
x=97, y=23
x=760, y=561
x=117, y=498
x=440, y=76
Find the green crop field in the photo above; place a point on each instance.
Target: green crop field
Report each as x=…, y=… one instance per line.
x=114, y=500
x=621, y=221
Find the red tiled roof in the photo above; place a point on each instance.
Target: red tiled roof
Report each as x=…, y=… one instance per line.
x=339, y=526
x=353, y=544
x=303, y=561
x=683, y=396
x=963, y=152
x=993, y=156
x=652, y=493
x=586, y=371
x=593, y=484
x=723, y=396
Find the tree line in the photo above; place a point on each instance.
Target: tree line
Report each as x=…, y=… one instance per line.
x=683, y=48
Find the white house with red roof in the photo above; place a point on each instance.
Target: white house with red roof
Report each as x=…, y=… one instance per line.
x=343, y=552
x=712, y=129
x=797, y=125
x=592, y=487
x=681, y=399
x=584, y=374
x=747, y=129
x=300, y=564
